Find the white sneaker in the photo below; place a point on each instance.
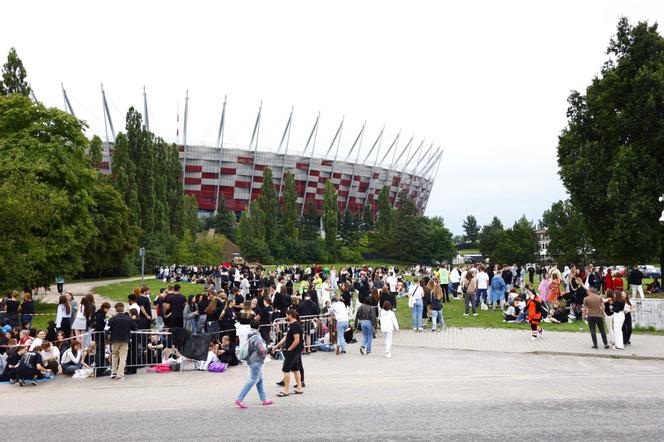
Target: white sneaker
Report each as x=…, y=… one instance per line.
x=465, y=314
x=474, y=314
x=388, y=355
x=533, y=338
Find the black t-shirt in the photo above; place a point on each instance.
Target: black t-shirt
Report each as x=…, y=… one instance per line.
x=144, y=301
x=28, y=308
x=265, y=313
x=202, y=306
x=12, y=306
x=177, y=302
x=30, y=360
x=294, y=329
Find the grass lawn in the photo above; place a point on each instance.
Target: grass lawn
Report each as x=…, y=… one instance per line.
x=41, y=322
x=120, y=291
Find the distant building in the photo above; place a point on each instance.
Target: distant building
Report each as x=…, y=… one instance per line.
x=543, y=241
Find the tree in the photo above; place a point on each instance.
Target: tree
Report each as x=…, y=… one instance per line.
x=310, y=223
x=382, y=239
x=518, y=244
x=330, y=217
x=124, y=175
x=13, y=76
x=405, y=225
x=45, y=188
x=289, y=213
x=567, y=232
x=95, y=151
x=269, y=207
x=490, y=236
x=471, y=228
x=223, y=222
x=610, y=154
x=115, y=237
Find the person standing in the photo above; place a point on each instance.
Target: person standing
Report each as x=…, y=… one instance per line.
x=175, y=303
x=145, y=306
x=455, y=279
x=416, y=300
x=482, y=286
x=593, y=308
x=627, y=326
x=120, y=328
x=60, y=283
x=608, y=315
x=365, y=320
x=534, y=307
x=388, y=325
x=436, y=297
x=63, y=316
x=254, y=353
x=618, y=320
x=469, y=289
x=444, y=277
x=635, y=281
x=497, y=291
x=292, y=345
x=340, y=312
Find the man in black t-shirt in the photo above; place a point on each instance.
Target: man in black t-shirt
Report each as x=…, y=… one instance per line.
x=176, y=302
x=29, y=367
x=292, y=345
x=145, y=313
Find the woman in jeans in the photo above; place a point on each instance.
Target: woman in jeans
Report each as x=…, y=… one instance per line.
x=365, y=319
x=418, y=305
x=469, y=288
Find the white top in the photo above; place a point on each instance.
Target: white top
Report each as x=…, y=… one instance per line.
x=80, y=323
x=482, y=280
x=36, y=342
x=61, y=313
x=417, y=292
x=392, y=283
x=340, y=311
x=388, y=321
x=69, y=356
x=455, y=276
x=54, y=352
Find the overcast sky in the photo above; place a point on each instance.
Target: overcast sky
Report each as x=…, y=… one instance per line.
x=486, y=80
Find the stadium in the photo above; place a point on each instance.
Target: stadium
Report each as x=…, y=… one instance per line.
x=236, y=172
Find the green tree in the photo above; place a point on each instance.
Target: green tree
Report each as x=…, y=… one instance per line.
x=567, y=232
x=223, y=222
x=310, y=223
x=490, y=236
x=123, y=177
x=45, y=188
x=269, y=206
x=330, y=217
x=13, y=76
x=610, y=154
x=406, y=226
x=115, y=237
x=382, y=239
x=96, y=151
x=289, y=213
x=518, y=244
x=471, y=228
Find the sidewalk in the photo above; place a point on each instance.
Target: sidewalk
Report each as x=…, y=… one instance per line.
x=83, y=288
x=518, y=341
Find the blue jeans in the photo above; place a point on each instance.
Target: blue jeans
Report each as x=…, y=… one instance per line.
x=341, y=329
x=418, y=308
x=481, y=294
x=367, y=334
x=437, y=315
x=255, y=378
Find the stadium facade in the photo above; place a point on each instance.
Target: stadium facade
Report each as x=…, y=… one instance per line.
x=236, y=172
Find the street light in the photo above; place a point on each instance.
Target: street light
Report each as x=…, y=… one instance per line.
x=141, y=253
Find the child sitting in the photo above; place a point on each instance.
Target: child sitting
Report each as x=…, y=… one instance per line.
x=226, y=352
x=154, y=350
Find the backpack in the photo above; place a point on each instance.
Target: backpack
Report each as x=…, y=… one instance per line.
x=217, y=367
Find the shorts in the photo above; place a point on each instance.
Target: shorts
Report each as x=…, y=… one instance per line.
x=291, y=361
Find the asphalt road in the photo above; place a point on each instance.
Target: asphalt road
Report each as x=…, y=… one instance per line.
x=419, y=394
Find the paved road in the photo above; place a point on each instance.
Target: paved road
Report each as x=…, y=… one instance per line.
x=419, y=394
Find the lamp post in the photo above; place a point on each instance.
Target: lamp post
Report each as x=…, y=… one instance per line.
x=141, y=253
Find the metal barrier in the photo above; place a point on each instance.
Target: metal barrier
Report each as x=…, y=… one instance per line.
x=315, y=327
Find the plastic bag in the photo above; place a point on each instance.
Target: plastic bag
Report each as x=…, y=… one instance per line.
x=217, y=367
x=484, y=306
x=83, y=373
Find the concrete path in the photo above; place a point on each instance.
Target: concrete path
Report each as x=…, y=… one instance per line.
x=518, y=341
x=83, y=288
x=416, y=395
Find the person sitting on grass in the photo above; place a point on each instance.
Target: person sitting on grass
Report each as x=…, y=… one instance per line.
x=512, y=312
x=560, y=314
x=654, y=287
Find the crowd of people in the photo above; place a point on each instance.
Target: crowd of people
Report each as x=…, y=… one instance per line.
x=297, y=310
